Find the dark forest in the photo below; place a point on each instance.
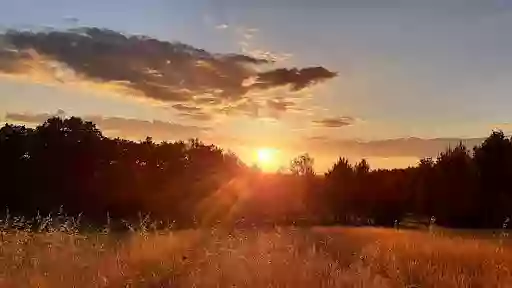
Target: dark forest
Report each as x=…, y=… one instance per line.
x=68, y=165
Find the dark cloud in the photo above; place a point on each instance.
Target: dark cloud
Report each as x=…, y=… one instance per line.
x=122, y=127
x=335, y=122
x=401, y=147
x=297, y=78
x=244, y=58
x=161, y=70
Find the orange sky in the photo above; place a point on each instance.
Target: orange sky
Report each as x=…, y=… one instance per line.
x=338, y=78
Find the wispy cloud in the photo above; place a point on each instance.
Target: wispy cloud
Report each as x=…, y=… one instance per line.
x=335, y=122
x=246, y=107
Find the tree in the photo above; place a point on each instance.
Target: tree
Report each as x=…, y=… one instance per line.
x=340, y=171
x=493, y=161
x=302, y=165
x=362, y=167
x=421, y=201
x=69, y=162
x=455, y=188
x=339, y=185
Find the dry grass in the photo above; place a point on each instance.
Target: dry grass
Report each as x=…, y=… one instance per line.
x=283, y=257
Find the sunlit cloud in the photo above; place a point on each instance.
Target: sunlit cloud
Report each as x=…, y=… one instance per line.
x=186, y=108
x=147, y=68
x=249, y=46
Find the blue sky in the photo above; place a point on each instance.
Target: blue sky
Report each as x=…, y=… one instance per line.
x=427, y=69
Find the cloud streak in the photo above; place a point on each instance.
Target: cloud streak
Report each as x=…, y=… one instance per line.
x=400, y=147
x=121, y=127
x=335, y=122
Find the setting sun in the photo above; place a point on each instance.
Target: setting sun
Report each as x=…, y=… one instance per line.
x=266, y=158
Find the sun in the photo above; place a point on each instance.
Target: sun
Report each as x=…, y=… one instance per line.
x=265, y=155
x=266, y=158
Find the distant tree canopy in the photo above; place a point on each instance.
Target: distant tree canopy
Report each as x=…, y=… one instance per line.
x=302, y=165
x=69, y=163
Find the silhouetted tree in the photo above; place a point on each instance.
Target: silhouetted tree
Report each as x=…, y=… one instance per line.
x=69, y=162
x=340, y=181
x=421, y=200
x=302, y=165
x=493, y=161
x=455, y=187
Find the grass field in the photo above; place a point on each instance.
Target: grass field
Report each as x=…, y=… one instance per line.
x=281, y=257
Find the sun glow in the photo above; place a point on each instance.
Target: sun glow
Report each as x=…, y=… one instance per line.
x=266, y=159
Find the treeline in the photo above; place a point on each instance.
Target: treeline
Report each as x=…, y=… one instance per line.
x=461, y=188
x=69, y=163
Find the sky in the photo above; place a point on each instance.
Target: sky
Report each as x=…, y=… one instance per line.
x=391, y=81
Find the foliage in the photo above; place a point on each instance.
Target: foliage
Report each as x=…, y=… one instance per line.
x=302, y=165
x=69, y=163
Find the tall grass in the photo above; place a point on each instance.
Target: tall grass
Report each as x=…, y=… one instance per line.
x=53, y=251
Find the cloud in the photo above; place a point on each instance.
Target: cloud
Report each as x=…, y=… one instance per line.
x=222, y=26
x=335, y=122
x=246, y=59
x=279, y=105
x=27, y=118
x=71, y=19
x=270, y=56
x=193, y=112
x=327, y=146
x=128, y=128
x=199, y=116
x=400, y=147
x=247, y=43
x=209, y=100
x=186, y=108
x=247, y=107
x=297, y=78
x=147, y=67
x=139, y=129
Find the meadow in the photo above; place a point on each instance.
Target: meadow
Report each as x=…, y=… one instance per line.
x=254, y=257
x=216, y=222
